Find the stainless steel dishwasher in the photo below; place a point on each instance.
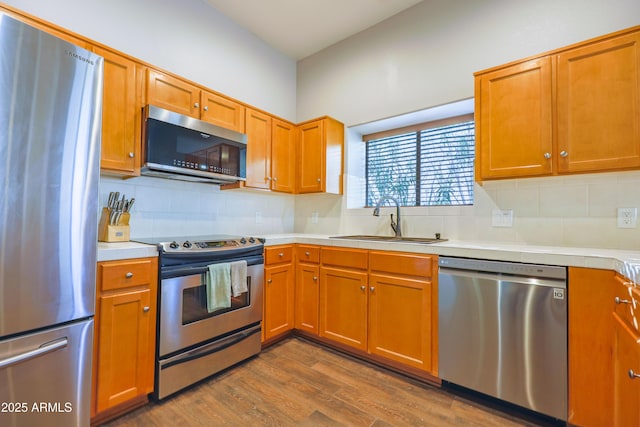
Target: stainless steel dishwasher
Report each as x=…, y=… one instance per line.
x=503, y=331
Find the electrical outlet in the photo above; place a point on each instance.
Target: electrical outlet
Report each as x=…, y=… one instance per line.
x=258, y=217
x=314, y=217
x=502, y=218
x=627, y=217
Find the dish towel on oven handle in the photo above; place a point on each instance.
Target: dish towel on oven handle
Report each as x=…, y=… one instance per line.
x=218, y=286
x=238, y=278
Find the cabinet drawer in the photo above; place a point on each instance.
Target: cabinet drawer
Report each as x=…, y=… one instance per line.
x=627, y=301
x=126, y=273
x=401, y=263
x=308, y=253
x=278, y=254
x=351, y=258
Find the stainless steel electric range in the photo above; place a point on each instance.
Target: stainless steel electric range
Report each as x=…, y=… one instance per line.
x=194, y=339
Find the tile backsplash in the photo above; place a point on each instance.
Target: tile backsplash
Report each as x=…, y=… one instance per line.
x=576, y=210
x=165, y=208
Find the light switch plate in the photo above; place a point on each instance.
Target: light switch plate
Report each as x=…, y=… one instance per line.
x=502, y=218
x=627, y=217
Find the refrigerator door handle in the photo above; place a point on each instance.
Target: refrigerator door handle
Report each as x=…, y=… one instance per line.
x=43, y=349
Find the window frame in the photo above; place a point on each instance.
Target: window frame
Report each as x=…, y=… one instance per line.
x=417, y=129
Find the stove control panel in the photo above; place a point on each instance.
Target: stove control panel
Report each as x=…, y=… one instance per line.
x=210, y=245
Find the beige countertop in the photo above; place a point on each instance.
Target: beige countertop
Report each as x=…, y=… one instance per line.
x=623, y=261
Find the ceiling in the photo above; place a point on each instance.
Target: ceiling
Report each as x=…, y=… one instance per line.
x=300, y=28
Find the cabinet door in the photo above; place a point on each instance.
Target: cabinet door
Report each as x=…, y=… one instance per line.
x=598, y=96
x=283, y=156
x=121, y=115
x=125, y=350
x=343, y=306
x=307, y=297
x=278, y=298
x=222, y=111
x=172, y=94
x=258, y=129
x=514, y=121
x=590, y=340
x=311, y=157
x=626, y=389
x=400, y=320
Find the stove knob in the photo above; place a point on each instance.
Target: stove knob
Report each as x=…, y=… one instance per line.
x=252, y=240
x=243, y=240
x=187, y=244
x=174, y=245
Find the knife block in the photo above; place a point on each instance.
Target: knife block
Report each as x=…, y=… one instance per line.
x=113, y=233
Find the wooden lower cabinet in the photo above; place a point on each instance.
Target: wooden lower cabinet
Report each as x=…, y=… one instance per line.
x=307, y=288
x=381, y=303
x=125, y=330
x=626, y=390
x=343, y=306
x=279, y=284
x=590, y=303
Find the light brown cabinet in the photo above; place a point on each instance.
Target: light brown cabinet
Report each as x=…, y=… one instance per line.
x=590, y=341
x=320, y=156
x=124, y=338
x=178, y=95
x=573, y=110
x=307, y=288
x=626, y=354
x=121, y=114
x=279, y=287
x=381, y=303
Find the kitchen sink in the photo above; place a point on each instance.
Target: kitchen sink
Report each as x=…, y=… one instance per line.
x=393, y=239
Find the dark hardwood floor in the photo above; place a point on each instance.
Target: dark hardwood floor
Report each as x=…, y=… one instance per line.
x=298, y=383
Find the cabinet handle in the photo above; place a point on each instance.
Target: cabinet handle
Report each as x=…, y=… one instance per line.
x=205, y=108
x=633, y=375
x=129, y=275
x=617, y=300
x=372, y=288
x=280, y=254
x=563, y=153
x=268, y=280
x=131, y=155
x=319, y=180
x=275, y=179
x=307, y=253
x=268, y=178
x=315, y=279
x=146, y=309
x=547, y=156
x=362, y=288
x=196, y=105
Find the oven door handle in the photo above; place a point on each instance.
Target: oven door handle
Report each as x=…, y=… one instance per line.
x=210, y=348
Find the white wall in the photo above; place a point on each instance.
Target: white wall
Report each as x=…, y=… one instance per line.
x=187, y=37
x=425, y=57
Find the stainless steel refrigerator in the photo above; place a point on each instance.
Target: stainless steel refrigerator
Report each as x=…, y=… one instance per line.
x=50, y=127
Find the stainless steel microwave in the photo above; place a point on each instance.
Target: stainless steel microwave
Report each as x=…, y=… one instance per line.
x=181, y=147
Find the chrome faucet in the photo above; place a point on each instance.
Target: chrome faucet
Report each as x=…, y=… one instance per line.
x=395, y=225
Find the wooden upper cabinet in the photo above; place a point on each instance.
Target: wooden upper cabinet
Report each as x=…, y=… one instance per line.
x=258, y=129
x=283, y=156
x=173, y=94
x=222, y=111
x=320, y=156
x=121, y=114
x=513, y=127
x=598, y=102
x=573, y=110
x=311, y=173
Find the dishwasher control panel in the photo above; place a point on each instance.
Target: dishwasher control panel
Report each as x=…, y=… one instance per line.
x=504, y=267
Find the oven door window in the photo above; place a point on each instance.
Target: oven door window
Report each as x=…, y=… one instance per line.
x=194, y=303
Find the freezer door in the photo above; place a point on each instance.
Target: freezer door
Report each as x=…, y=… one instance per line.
x=62, y=356
x=50, y=117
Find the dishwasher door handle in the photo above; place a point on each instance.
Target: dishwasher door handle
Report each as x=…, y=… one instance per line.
x=498, y=277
